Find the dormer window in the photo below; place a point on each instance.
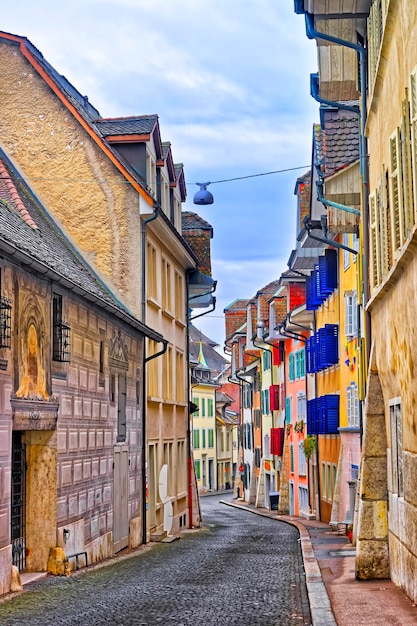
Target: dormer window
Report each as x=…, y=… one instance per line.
x=60, y=332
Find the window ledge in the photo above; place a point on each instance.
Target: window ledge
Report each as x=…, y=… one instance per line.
x=180, y=322
x=154, y=303
x=153, y=400
x=167, y=313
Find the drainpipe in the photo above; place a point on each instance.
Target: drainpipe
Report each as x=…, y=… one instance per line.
x=188, y=390
x=335, y=205
x=309, y=227
x=315, y=89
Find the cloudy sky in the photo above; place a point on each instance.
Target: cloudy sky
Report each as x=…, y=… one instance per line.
x=229, y=80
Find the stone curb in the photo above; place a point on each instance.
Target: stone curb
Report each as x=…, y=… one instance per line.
x=320, y=607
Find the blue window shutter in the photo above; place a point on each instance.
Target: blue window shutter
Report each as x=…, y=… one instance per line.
x=309, y=364
x=332, y=343
x=309, y=300
x=312, y=416
x=332, y=414
x=327, y=273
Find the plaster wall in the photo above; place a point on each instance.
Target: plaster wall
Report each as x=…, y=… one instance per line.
x=50, y=146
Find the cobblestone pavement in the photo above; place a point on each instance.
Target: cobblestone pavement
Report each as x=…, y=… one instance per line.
x=239, y=569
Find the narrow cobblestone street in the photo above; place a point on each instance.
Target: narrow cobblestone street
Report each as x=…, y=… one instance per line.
x=239, y=569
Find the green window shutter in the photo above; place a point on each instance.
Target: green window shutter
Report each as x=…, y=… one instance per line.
x=288, y=410
x=297, y=365
x=302, y=363
x=291, y=363
x=203, y=438
x=196, y=439
x=292, y=458
x=210, y=407
x=210, y=438
x=197, y=469
x=197, y=403
x=203, y=407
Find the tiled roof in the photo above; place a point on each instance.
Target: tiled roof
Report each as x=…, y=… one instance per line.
x=197, y=335
x=214, y=360
x=137, y=125
x=341, y=139
x=32, y=232
x=192, y=221
x=11, y=198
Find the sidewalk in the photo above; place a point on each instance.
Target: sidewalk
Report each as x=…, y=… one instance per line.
x=335, y=596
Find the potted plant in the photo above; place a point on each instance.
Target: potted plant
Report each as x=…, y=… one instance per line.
x=309, y=446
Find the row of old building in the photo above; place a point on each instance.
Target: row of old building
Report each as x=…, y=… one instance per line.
x=99, y=270
x=325, y=355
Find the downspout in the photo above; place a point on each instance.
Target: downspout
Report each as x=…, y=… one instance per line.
x=145, y=222
x=324, y=239
x=188, y=391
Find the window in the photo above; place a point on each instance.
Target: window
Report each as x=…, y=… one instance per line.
x=152, y=369
x=210, y=407
x=197, y=466
x=121, y=407
x=151, y=273
x=167, y=374
x=352, y=405
x=61, y=331
x=247, y=396
x=346, y=254
x=196, y=439
x=179, y=297
x=302, y=463
x=112, y=389
x=302, y=363
x=301, y=406
x=266, y=355
x=351, y=313
x=181, y=472
x=291, y=373
x=166, y=286
x=288, y=409
x=203, y=437
x=196, y=401
x=5, y=322
x=210, y=438
x=265, y=401
x=292, y=458
x=203, y=407
x=303, y=502
x=397, y=478
x=179, y=377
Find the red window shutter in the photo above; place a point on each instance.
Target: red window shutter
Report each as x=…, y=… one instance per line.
x=277, y=441
x=274, y=397
x=276, y=355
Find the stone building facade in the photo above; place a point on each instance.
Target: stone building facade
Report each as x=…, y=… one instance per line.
x=71, y=371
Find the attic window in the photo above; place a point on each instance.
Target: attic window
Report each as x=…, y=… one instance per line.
x=5, y=322
x=61, y=332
